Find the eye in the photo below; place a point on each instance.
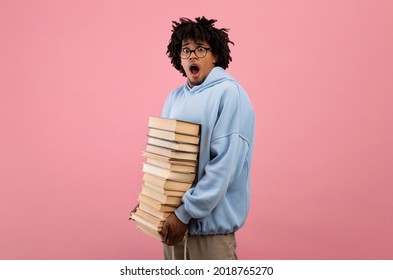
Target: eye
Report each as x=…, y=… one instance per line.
x=201, y=49
x=185, y=50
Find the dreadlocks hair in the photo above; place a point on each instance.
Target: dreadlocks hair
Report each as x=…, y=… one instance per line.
x=201, y=29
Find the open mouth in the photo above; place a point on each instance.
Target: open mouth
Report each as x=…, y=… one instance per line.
x=194, y=69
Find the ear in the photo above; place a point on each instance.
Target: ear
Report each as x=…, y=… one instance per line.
x=214, y=59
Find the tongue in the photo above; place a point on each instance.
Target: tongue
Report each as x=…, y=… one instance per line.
x=194, y=70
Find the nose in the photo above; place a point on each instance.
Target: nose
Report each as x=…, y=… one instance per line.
x=193, y=55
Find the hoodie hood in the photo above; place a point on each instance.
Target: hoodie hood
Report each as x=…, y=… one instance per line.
x=216, y=75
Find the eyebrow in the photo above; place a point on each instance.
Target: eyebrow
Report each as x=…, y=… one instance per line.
x=199, y=44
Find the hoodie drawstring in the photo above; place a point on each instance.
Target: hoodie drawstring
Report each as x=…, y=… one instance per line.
x=185, y=250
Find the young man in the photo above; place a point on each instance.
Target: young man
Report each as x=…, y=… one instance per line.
x=217, y=205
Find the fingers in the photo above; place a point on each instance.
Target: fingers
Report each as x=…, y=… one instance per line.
x=168, y=237
x=173, y=231
x=178, y=239
x=173, y=239
x=164, y=233
x=133, y=211
x=167, y=234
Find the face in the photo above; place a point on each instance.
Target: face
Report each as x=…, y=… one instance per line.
x=197, y=69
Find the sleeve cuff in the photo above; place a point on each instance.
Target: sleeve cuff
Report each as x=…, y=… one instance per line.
x=182, y=215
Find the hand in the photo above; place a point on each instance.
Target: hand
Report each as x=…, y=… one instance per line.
x=173, y=230
x=133, y=211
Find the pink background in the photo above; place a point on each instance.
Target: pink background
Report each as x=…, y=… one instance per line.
x=78, y=80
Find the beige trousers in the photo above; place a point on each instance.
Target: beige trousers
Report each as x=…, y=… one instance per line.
x=203, y=247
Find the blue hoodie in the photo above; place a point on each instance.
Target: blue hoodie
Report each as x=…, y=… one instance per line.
x=219, y=201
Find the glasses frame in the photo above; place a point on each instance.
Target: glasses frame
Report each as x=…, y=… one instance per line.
x=193, y=51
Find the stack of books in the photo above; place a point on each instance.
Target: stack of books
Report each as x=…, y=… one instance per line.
x=169, y=171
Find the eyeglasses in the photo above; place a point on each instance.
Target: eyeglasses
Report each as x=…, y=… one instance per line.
x=199, y=52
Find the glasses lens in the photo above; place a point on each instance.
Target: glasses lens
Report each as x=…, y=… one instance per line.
x=200, y=52
x=185, y=53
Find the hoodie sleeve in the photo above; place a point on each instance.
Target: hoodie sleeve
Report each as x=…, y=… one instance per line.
x=228, y=152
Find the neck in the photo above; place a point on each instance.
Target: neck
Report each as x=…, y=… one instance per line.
x=189, y=84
